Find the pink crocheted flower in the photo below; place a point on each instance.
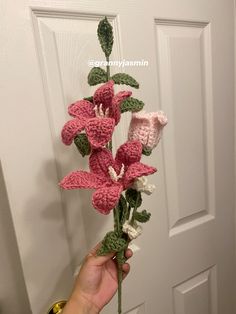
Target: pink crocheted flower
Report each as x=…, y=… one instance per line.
x=98, y=119
x=147, y=128
x=109, y=176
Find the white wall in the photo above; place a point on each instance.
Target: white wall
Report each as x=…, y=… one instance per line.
x=13, y=296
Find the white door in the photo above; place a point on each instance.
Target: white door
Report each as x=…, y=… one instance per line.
x=184, y=261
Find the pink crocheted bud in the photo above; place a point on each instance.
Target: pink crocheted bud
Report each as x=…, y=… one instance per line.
x=147, y=128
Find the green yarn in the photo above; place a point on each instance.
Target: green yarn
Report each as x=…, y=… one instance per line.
x=132, y=196
x=112, y=243
x=142, y=216
x=131, y=104
x=123, y=210
x=146, y=151
x=123, y=78
x=105, y=36
x=90, y=98
x=96, y=76
x=82, y=144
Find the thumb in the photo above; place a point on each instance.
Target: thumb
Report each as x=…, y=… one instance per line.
x=98, y=260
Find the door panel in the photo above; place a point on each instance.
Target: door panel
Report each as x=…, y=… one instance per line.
x=185, y=75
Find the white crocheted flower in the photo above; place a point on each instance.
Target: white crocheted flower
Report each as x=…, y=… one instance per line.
x=147, y=127
x=132, y=231
x=141, y=185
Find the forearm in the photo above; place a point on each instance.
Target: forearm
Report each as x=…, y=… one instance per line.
x=79, y=306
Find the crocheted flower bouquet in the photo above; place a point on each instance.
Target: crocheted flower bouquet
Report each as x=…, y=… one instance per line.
x=91, y=128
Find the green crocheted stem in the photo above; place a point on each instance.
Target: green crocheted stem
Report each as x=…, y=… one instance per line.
x=135, y=208
x=119, y=212
x=108, y=69
x=120, y=258
x=132, y=197
x=117, y=220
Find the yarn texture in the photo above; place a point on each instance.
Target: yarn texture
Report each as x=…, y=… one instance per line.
x=147, y=128
x=126, y=167
x=98, y=119
x=118, y=178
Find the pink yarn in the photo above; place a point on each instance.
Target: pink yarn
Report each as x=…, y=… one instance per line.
x=108, y=175
x=99, y=131
x=116, y=101
x=147, y=128
x=104, y=94
x=70, y=129
x=106, y=198
x=83, y=179
x=99, y=128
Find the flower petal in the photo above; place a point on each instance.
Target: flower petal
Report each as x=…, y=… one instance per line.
x=81, y=180
x=120, y=96
x=71, y=129
x=99, y=131
x=106, y=198
x=116, y=101
x=136, y=170
x=104, y=94
x=81, y=108
x=139, y=128
x=100, y=160
x=129, y=153
x=158, y=121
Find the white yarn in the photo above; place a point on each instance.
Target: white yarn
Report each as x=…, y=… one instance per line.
x=99, y=113
x=132, y=231
x=114, y=176
x=141, y=185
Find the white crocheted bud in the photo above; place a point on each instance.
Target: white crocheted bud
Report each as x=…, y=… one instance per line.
x=132, y=231
x=141, y=185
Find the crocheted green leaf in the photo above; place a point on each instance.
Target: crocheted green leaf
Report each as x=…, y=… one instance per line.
x=142, y=216
x=105, y=36
x=146, y=151
x=123, y=78
x=131, y=197
x=82, y=144
x=112, y=243
x=90, y=98
x=131, y=104
x=96, y=76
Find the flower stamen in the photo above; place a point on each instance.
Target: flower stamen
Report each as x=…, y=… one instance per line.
x=99, y=112
x=114, y=176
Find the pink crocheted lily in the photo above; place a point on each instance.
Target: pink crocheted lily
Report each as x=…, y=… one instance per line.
x=98, y=119
x=109, y=176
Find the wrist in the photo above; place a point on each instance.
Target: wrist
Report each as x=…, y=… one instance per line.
x=80, y=306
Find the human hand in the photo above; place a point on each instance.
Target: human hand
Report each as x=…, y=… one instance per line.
x=96, y=283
